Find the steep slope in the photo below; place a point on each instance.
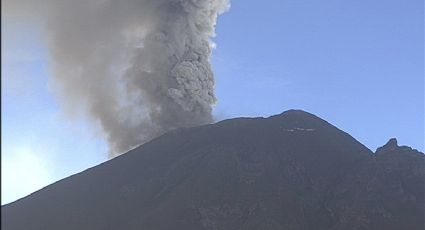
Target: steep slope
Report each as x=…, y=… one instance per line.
x=385, y=193
x=289, y=171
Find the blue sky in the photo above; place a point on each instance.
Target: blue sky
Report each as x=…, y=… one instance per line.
x=357, y=64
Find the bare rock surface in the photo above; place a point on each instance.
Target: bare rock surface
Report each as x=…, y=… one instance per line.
x=289, y=171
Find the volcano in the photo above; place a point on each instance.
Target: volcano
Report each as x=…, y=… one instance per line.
x=288, y=171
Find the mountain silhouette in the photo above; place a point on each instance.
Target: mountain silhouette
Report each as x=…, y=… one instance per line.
x=289, y=171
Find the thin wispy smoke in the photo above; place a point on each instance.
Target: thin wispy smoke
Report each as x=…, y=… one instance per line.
x=137, y=67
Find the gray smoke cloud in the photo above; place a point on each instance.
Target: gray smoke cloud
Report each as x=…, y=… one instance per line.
x=137, y=67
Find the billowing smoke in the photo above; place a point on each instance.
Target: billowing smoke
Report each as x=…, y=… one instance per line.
x=137, y=67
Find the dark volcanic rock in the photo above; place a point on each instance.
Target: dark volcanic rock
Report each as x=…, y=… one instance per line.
x=387, y=192
x=290, y=171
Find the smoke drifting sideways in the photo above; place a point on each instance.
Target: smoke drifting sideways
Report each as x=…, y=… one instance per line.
x=138, y=68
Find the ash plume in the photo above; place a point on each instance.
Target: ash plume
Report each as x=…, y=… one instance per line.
x=138, y=68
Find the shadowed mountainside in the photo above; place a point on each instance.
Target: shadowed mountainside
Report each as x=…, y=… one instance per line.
x=289, y=171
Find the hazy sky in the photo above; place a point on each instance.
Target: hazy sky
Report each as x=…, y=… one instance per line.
x=357, y=64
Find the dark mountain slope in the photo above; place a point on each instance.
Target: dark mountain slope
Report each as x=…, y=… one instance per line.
x=385, y=193
x=290, y=171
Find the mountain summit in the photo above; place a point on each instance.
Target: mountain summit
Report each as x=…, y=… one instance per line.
x=289, y=171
